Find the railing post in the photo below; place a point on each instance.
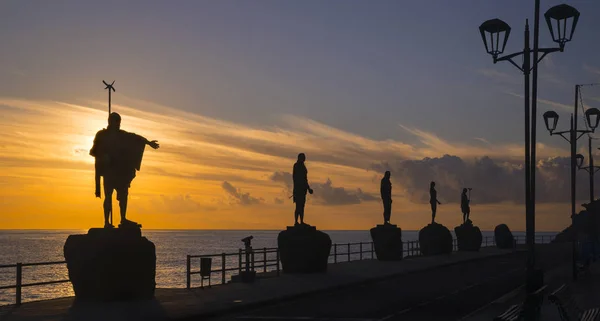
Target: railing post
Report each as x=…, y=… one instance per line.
x=19, y=282
x=348, y=251
x=188, y=265
x=240, y=259
x=223, y=268
x=265, y=259
x=372, y=250
x=361, y=251
x=335, y=253
x=277, y=258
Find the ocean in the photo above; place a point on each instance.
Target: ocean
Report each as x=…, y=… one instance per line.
x=172, y=247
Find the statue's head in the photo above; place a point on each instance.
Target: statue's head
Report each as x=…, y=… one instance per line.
x=114, y=121
x=387, y=174
x=464, y=191
x=301, y=157
x=432, y=184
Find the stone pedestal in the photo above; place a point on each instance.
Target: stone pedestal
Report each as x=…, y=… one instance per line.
x=303, y=249
x=435, y=239
x=115, y=264
x=468, y=237
x=387, y=239
x=503, y=236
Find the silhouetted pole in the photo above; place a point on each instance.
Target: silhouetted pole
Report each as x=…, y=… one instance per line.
x=573, y=141
x=492, y=29
x=110, y=89
x=551, y=119
x=592, y=168
x=529, y=209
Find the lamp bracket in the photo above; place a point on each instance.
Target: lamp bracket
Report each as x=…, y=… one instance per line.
x=562, y=134
x=582, y=132
x=509, y=59
x=546, y=51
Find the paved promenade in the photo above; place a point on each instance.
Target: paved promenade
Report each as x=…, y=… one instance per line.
x=181, y=304
x=586, y=290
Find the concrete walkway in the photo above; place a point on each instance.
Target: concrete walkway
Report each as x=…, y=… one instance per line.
x=193, y=304
x=586, y=291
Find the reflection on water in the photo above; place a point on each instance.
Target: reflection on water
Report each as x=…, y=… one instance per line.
x=171, y=250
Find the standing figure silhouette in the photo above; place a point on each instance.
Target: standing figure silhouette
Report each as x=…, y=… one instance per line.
x=433, y=201
x=386, y=197
x=118, y=154
x=464, y=205
x=300, y=176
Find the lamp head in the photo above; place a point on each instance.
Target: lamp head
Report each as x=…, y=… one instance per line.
x=494, y=29
x=592, y=116
x=559, y=15
x=551, y=120
x=579, y=160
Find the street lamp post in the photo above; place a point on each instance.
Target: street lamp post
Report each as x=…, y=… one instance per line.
x=495, y=28
x=592, y=116
x=591, y=169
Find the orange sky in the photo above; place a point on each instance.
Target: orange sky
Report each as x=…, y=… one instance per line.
x=47, y=174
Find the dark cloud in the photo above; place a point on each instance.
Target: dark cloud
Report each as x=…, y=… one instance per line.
x=492, y=181
x=177, y=204
x=365, y=197
x=242, y=198
x=284, y=178
x=325, y=193
x=278, y=200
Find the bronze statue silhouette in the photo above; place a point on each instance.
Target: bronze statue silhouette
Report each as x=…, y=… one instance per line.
x=118, y=154
x=464, y=204
x=433, y=201
x=386, y=197
x=300, y=176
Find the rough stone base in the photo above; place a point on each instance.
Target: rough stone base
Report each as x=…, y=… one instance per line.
x=387, y=240
x=435, y=239
x=303, y=249
x=116, y=264
x=504, y=237
x=468, y=237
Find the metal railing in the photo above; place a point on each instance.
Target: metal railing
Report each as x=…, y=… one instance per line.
x=19, y=285
x=344, y=252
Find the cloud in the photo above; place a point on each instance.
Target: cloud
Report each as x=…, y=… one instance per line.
x=176, y=204
x=364, y=196
x=435, y=146
x=500, y=76
x=493, y=181
x=325, y=193
x=242, y=198
x=278, y=201
x=550, y=103
x=591, y=69
x=284, y=178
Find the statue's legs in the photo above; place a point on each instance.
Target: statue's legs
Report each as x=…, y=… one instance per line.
x=433, y=210
x=387, y=210
x=122, y=195
x=299, y=213
x=108, y=191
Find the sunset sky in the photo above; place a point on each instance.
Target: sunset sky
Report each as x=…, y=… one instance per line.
x=234, y=90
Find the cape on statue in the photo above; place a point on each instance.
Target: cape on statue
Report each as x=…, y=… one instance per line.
x=118, y=155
